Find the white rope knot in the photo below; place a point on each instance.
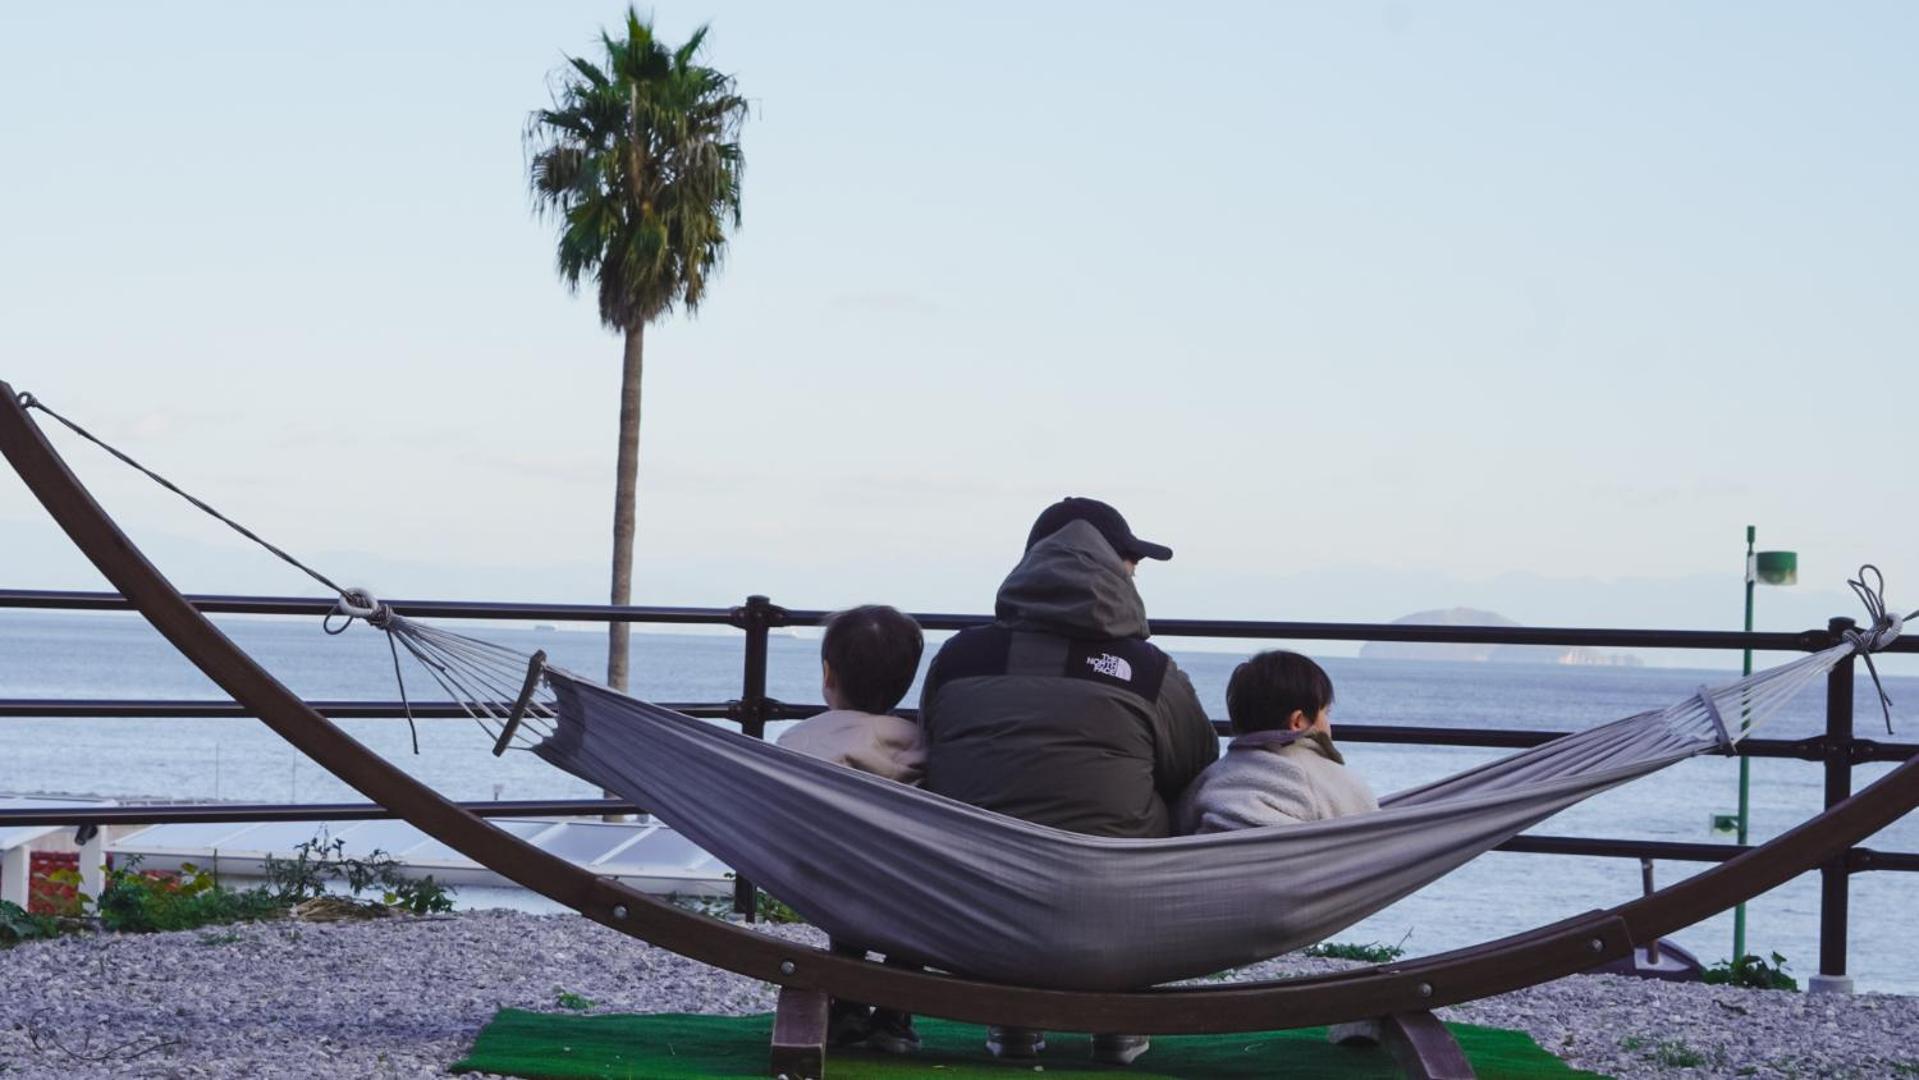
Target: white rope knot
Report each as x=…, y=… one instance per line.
x=360, y=604
x=1883, y=631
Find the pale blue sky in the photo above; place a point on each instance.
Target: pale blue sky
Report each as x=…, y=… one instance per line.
x=1363, y=308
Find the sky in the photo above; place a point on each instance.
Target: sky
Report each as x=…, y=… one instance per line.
x=1363, y=308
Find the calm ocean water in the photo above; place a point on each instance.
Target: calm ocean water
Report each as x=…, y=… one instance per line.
x=107, y=656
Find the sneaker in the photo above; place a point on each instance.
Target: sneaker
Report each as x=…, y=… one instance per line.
x=892, y=1032
x=848, y=1023
x=1119, y=1049
x=1015, y=1043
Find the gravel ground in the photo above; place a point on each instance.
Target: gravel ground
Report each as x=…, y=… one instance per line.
x=405, y=997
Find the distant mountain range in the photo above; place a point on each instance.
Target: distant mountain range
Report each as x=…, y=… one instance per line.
x=1497, y=654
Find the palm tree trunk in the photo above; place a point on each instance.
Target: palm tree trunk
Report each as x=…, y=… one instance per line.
x=625, y=481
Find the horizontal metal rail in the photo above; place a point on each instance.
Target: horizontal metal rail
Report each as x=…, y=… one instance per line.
x=212, y=604
x=193, y=709
x=1801, y=641
x=1861, y=859
x=1813, y=748
x=242, y=813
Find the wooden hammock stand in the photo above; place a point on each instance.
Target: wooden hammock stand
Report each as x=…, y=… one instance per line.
x=1395, y=998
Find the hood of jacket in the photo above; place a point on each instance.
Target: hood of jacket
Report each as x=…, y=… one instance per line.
x=1275, y=741
x=1075, y=585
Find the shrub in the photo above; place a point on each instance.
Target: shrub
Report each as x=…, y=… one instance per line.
x=1674, y=1054
x=1372, y=952
x=1751, y=972
x=766, y=907
x=319, y=861
x=18, y=925
x=136, y=901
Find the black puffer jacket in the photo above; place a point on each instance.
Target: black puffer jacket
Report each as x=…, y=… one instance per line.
x=1060, y=712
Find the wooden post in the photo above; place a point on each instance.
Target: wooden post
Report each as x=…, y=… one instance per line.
x=1421, y=1046
x=799, y=1035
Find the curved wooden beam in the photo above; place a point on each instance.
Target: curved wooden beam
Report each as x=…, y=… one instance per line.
x=1507, y=964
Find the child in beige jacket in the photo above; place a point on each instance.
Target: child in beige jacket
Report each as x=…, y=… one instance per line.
x=1282, y=768
x=868, y=658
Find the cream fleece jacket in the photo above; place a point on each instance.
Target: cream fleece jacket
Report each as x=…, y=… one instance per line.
x=1273, y=778
x=885, y=746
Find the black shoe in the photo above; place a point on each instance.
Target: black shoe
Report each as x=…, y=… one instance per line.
x=848, y=1023
x=1015, y=1043
x=892, y=1032
x=1119, y=1049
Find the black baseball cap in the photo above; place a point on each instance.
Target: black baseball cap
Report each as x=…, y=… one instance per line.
x=1102, y=517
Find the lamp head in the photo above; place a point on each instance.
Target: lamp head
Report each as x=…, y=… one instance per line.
x=1777, y=567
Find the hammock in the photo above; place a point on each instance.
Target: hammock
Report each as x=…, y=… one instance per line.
x=916, y=875
x=921, y=877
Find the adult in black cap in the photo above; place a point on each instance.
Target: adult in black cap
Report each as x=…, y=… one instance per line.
x=1061, y=712
x=1100, y=516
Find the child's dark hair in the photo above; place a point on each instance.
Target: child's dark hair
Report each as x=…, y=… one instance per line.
x=874, y=652
x=1265, y=690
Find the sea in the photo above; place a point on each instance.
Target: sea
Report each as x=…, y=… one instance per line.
x=98, y=656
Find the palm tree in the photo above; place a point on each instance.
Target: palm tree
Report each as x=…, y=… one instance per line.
x=638, y=161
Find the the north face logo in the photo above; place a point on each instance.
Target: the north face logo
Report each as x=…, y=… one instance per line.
x=1111, y=666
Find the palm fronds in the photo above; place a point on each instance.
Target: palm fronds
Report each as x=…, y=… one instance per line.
x=638, y=162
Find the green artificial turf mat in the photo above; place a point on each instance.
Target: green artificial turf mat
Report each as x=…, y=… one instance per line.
x=673, y=1046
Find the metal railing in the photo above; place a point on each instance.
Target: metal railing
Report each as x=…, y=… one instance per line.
x=1838, y=749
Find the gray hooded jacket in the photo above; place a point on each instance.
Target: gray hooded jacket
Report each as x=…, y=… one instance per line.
x=1060, y=712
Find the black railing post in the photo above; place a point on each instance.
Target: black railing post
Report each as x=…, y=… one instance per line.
x=757, y=616
x=1835, y=882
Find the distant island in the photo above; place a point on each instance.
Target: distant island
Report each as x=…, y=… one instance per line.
x=1497, y=654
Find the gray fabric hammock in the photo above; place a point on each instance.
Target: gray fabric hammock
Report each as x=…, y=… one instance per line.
x=912, y=874
x=919, y=876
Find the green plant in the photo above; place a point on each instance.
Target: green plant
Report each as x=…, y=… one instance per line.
x=570, y=1000
x=305, y=876
x=1372, y=952
x=766, y=907
x=638, y=162
x=1674, y=1054
x=422, y=896
x=770, y=908
x=318, y=861
x=1632, y=1042
x=69, y=902
x=1752, y=972
x=136, y=901
x=17, y=924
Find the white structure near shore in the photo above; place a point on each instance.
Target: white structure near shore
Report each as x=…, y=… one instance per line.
x=19, y=842
x=644, y=854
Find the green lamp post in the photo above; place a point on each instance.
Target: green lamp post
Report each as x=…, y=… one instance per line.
x=1767, y=568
